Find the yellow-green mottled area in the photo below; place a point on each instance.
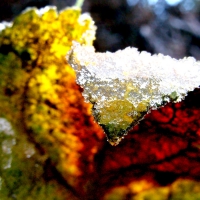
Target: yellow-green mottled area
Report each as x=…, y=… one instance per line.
x=117, y=116
x=41, y=100
x=143, y=190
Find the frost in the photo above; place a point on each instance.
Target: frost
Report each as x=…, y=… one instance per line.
x=123, y=86
x=28, y=149
x=7, y=134
x=4, y=25
x=5, y=127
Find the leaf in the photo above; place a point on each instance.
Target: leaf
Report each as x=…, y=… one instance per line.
x=50, y=146
x=125, y=85
x=39, y=96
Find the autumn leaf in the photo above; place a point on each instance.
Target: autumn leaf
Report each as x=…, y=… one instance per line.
x=51, y=148
x=39, y=95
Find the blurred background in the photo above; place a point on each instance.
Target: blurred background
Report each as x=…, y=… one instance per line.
x=170, y=27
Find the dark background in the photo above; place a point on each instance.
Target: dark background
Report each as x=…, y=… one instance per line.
x=157, y=28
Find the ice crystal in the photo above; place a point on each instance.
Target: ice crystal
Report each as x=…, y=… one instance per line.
x=124, y=86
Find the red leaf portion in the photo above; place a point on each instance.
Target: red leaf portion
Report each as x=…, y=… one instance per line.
x=162, y=148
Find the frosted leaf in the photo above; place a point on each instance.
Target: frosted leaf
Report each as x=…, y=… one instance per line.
x=124, y=86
